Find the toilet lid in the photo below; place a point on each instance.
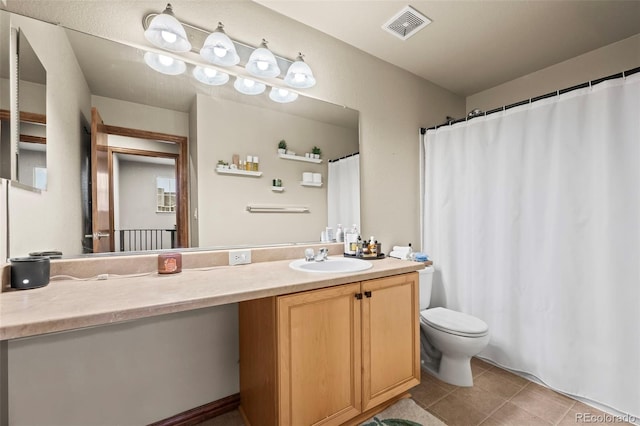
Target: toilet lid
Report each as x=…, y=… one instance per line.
x=453, y=322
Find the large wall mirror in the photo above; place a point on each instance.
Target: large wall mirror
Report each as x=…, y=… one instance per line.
x=152, y=127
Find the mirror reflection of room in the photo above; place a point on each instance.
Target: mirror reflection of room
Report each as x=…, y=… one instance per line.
x=144, y=198
x=5, y=99
x=216, y=123
x=31, y=163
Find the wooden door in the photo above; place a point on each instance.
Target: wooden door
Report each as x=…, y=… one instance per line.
x=319, y=358
x=100, y=198
x=390, y=338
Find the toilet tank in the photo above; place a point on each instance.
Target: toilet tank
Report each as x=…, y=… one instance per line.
x=426, y=281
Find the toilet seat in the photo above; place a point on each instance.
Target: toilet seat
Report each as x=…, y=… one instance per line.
x=452, y=322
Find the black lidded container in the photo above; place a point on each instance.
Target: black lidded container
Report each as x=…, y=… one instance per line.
x=29, y=272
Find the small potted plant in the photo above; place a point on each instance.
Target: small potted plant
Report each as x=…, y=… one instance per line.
x=282, y=147
x=316, y=152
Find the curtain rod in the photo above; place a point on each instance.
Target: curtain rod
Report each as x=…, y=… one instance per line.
x=342, y=158
x=423, y=130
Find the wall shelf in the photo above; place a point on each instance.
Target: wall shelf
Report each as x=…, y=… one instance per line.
x=277, y=188
x=300, y=158
x=237, y=172
x=316, y=184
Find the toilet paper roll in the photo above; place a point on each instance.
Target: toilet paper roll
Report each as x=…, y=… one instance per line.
x=317, y=178
x=307, y=177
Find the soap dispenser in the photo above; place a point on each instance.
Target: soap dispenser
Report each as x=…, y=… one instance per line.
x=351, y=241
x=373, y=247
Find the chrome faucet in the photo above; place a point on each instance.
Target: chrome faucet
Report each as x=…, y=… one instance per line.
x=309, y=255
x=322, y=255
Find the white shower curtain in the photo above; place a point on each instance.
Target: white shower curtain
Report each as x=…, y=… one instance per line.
x=343, y=192
x=532, y=218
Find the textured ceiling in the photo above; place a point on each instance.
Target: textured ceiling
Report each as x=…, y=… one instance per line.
x=472, y=46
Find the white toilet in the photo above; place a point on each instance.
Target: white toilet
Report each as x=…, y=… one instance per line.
x=448, y=338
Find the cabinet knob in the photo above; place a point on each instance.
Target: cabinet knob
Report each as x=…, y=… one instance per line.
x=367, y=293
x=358, y=296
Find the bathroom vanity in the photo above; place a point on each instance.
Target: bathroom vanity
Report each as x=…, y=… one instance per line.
x=326, y=356
x=372, y=356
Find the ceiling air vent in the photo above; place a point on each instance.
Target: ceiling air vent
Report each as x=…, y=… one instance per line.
x=406, y=23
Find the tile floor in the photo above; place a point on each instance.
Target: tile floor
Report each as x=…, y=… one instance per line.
x=497, y=397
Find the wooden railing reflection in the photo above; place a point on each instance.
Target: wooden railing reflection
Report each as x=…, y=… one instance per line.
x=146, y=239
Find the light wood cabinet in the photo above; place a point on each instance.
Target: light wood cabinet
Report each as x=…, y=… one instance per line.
x=325, y=356
x=390, y=338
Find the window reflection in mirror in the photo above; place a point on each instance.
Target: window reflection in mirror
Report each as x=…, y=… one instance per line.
x=166, y=195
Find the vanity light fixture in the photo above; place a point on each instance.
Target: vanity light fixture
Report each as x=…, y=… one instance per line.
x=282, y=96
x=219, y=49
x=262, y=63
x=166, y=32
x=299, y=74
x=165, y=64
x=210, y=76
x=249, y=87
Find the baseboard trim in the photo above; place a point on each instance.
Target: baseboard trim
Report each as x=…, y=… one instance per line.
x=202, y=413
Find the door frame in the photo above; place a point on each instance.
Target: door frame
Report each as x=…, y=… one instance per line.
x=182, y=189
x=99, y=187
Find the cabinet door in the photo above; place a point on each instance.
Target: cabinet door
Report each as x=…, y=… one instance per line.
x=390, y=338
x=319, y=360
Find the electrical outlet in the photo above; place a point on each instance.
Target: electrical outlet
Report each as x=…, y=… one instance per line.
x=239, y=257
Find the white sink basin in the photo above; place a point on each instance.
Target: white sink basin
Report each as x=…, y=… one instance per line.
x=331, y=265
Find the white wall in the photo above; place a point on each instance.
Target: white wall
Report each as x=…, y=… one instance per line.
x=42, y=221
x=137, y=198
x=132, y=373
x=607, y=60
x=119, y=113
x=222, y=199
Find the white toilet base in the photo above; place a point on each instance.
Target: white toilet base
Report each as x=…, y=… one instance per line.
x=456, y=370
x=454, y=366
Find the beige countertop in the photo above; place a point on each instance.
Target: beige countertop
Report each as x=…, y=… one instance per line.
x=71, y=304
